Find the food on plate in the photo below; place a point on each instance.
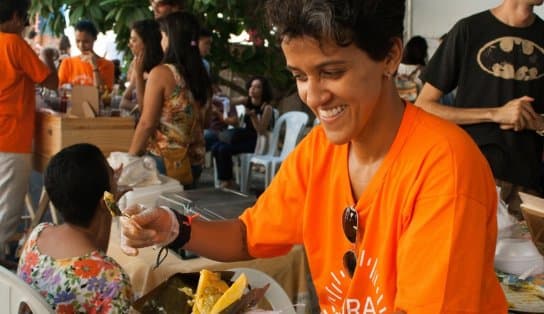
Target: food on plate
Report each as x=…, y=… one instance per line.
x=213, y=295
x=205, y=292
x=233, y=294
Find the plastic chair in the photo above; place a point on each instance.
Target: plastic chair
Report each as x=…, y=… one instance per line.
x=294, y=122
x=16, y=294
x=240, y=111
x=275, y=295
x=243, y=158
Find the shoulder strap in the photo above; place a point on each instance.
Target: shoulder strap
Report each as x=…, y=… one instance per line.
x=175, y=72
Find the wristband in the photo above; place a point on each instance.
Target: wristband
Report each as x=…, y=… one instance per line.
x=184, y=234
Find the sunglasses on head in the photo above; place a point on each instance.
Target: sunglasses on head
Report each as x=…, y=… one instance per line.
x=350, y=225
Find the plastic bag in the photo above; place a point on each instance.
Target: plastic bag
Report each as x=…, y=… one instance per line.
x=505, y=221
x=137, y=171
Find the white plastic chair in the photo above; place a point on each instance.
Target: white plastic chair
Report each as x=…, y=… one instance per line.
x=240, y=111
x=275, y=295
x=243, y=158
x=294, y=122
x=14, y=293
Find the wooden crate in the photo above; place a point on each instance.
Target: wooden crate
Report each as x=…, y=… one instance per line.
x=54, y=132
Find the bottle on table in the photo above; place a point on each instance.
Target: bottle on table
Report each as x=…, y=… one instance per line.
x=63, y=106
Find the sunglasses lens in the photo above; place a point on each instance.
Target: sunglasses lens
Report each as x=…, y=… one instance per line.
x=350, y=223
x=350, y=262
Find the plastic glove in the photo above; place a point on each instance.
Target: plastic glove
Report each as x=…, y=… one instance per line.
x=146, y=227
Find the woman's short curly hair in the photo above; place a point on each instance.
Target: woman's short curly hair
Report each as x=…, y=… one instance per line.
x=370, y=24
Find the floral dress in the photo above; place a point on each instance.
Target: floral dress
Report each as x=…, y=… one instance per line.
x=180, y=123
x=92, y=283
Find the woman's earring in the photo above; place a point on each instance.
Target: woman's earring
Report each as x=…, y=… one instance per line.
x=387, y=75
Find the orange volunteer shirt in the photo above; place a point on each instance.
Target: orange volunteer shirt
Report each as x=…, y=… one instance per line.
x=21, y=70
x=427, y=223
x=78, y=72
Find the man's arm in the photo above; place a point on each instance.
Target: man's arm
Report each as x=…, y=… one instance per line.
x=517, y=114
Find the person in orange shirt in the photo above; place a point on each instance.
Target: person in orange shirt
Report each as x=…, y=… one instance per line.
x=396, y=208
x=87, y=68
x=21, y=70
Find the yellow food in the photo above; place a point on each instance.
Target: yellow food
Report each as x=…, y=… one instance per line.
x=109, y=200
x=233, y=294
x=210, y=288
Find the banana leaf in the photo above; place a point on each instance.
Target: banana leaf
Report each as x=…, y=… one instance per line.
x=168, y=298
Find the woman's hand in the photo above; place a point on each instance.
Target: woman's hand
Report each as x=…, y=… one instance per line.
x=251, y=113
x=138, y=64
x=90, y=58
x=146, y=227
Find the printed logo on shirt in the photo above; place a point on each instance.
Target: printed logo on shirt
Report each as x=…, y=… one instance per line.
x=512, y=58
x=340, y=282
x=82, y=79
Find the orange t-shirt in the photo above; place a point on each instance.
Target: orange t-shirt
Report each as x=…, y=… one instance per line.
x=427, y=223
x=21, y=69
x=78, y=72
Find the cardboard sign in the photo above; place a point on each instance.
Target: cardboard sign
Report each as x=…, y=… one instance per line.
x=83, y=99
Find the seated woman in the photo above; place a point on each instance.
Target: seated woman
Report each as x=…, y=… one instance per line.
x=67, y=263
x=145, y=44
x=257, y=121
x=176, y=99
x=222, y=115
x=87, y=68
x=414, y=58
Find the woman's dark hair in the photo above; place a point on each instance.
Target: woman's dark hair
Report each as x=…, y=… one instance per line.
x=204, y=33
x=64, y=44
x=179, y=3
x=8, y=7
x=267, y=89
x=87, y=27
x=370, y=24
x=75, y=180
x=415, y=51
x=182, y=29
x=149, y=32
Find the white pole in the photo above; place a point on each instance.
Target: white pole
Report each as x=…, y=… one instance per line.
x=408, y=21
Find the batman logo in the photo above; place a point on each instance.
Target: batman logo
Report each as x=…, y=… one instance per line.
x=512, y=58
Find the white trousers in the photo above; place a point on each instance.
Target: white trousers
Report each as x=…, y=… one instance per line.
x=14, y=176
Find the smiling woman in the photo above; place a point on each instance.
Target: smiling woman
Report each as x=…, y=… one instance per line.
x=422, y=203
x=87, y=68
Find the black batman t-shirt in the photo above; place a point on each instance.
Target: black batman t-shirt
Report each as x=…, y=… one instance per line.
x=491, y=63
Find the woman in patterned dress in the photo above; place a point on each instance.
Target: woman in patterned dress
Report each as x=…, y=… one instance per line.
x=67, y=263
x=176, y=97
